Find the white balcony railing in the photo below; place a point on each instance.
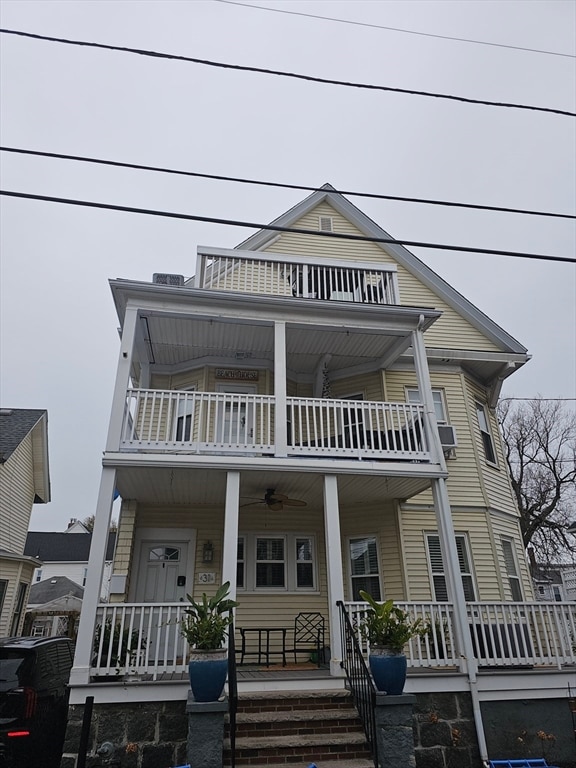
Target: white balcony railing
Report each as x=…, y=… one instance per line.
x=221, y=422
x=298, y=277
x=145, y=639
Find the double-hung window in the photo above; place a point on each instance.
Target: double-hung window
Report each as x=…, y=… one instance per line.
x=485, y=432
x=285, y=562
x=413, y=396
x=511, y=569
x=364, y=571
x=438, y=574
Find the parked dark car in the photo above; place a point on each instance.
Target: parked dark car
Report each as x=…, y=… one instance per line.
x=34, y=674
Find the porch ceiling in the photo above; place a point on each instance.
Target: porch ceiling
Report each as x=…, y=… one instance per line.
x=199, y=488
x=174, y=341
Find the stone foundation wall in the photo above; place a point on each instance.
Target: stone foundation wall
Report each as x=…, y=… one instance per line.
x=144, y=735
x=155, y=734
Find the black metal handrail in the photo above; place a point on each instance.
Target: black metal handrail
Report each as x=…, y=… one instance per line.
x=232, y=694
x=359, y=679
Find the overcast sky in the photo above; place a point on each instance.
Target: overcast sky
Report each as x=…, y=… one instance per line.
x=59, y=338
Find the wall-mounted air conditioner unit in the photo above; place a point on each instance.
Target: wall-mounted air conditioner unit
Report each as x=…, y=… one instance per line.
x=162, y=278
x=447, y=436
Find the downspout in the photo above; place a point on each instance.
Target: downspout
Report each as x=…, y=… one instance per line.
x=448, y=540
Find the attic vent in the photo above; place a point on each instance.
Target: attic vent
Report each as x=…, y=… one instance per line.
x=326, y=224
x=162, y=278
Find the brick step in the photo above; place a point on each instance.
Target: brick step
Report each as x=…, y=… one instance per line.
x=301, y=721
x=285, y=701
x=311, y=746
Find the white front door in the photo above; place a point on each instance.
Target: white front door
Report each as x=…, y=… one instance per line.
x=162, y=577
x=235, y=418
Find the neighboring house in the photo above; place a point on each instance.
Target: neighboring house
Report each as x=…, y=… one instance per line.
x=24, y=481
x=54, y=606
x=66, y=554
x=555, y=582
x=307, y=418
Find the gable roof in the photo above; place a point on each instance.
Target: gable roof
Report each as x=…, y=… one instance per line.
x=53, y=588
x=402, y=255
x=64, y=547
x=15, y=425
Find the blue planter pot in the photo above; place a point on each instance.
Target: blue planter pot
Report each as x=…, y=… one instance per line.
x=388, y=670
x=207, y=671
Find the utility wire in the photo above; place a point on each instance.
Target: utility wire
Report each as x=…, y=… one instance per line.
x=395, y=29
x=240, y=180
x=281, y=73
x=277, y=228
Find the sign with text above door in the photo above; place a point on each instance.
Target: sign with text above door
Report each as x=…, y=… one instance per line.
x=236, y=374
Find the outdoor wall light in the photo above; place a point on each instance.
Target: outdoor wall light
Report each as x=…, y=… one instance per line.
x=207, y=552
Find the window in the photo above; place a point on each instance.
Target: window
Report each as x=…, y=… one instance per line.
x=487, y=441
x=38, y=575
x=413, y=396
x=364, y=572
x=286, y=562
x=184, y=416
x=511, y=569
x=240, y=565
x=84, y=576
x=3, y=589
x=436, y=564
x=20, y=601
x=171, y=554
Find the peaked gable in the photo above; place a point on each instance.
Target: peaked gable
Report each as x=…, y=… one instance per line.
x=419, y=285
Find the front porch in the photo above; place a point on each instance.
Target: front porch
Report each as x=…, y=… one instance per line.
x=142, y=640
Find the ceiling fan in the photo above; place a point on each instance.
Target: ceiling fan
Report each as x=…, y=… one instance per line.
x=276, y=501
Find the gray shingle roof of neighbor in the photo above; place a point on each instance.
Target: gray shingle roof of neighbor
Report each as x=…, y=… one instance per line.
x=15, y=424
x=50, y=589
x=64, y=547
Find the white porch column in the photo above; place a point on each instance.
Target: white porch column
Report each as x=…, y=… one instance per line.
x=280, y=419
x=230, y=544
x=425, y=390
x=456, y=596
x=122, y=379
x=81, y=671
x=335, y=574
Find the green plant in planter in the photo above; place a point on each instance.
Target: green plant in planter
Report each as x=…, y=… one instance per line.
x=113, y=636
x=205, y=621
x=384, y=624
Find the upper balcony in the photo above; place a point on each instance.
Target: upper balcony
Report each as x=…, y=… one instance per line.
x=304, y=278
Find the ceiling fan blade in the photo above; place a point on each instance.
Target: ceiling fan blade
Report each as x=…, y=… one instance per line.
x=294, y=503
x=276, y=506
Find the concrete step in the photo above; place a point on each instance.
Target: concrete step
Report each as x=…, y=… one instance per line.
x=344, y=763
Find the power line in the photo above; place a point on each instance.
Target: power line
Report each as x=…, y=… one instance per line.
x=240, y=180
x=277, y=228
x=281, y=73
x=396, y=29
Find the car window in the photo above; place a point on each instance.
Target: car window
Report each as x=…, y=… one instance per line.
x=15, y=668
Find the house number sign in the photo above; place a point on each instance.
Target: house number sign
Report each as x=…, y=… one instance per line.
x=236, y=373
x=206, y=578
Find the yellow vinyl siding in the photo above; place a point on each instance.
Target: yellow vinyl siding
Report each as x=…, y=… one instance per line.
x=464, y=487
x=450, y=331
x=506, y=527
x=9, y=571
x=124, y=545
x=382, y=523
x=16, y=497
x=417, y=522
x=495, y=479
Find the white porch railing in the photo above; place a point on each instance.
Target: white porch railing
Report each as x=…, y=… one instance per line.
x=140, y=639
x=222, y=422
x=503, y=634
x=145, y=638
x=298, y=277
x=353, y=427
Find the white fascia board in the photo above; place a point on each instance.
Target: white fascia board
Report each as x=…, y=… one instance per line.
x=267, y=307
x=234, y=253
x=42, y=474
x=404, y=257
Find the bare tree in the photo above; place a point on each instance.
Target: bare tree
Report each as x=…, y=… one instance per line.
x=540, y=448
x=89, y=523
